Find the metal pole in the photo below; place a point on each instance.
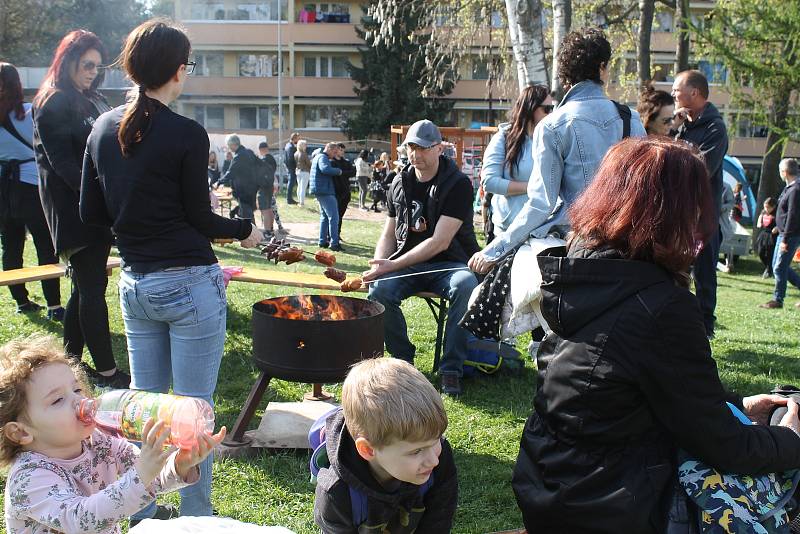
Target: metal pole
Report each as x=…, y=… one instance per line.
x=280, y=79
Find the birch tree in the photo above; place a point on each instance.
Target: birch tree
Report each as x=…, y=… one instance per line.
x=527, y=39
x=562, y=22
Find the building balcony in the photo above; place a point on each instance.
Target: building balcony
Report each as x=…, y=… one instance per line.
x=231, y=34
x=234, y=86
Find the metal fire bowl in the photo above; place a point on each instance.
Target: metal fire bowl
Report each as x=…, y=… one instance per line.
x=315, y=351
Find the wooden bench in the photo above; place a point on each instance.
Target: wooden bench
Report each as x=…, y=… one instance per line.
x=44, y=272
x=436, y=303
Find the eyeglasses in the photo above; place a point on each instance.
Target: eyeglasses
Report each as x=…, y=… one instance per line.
x=547, y=108
x=417, y=148
x=89, y=66
x=190, y=66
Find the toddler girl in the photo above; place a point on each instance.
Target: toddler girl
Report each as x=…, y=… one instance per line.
x=65, y=475
x=765, y=243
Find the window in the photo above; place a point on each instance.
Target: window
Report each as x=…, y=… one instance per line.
x=662, y=22
x=483, y=117
x=325, y=12
x=260, y=117
x=258, y=65
x=745, y=127
x=714, y=72
x=210, y=116
x=325, y=116
x=481, y=68
x=662, y=72
x=208, y=64
x=258, y=10
x=325, y=66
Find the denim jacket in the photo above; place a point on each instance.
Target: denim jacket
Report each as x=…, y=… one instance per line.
x=568, y=145
x=496, y=177
x=322, y=173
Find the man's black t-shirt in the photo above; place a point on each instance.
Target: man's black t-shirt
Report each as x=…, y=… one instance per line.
x=457, y=204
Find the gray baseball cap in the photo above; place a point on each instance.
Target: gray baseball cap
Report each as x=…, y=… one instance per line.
x=423, y=133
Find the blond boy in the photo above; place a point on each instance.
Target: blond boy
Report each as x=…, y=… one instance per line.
x=387, y=455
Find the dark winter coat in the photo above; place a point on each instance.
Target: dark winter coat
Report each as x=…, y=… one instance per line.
x=625, y=379
x=464, y=244
x=403, y=511
x=787, y=216
x=61, y=127
x=709, y=135
x=243, y=175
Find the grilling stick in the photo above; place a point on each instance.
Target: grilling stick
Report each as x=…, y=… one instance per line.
x=417, y=274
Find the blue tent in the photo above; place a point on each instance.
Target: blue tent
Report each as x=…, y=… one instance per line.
x=732, y=172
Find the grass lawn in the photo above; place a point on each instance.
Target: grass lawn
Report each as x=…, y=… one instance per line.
x=755, y=349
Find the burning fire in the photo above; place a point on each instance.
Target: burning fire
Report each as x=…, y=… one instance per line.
x=311, y=308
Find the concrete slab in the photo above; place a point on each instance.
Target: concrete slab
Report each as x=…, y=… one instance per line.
x=285, y=425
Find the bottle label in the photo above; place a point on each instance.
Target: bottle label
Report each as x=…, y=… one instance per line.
x=143, y=405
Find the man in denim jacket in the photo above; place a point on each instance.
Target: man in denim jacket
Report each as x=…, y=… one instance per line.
x=568, y=145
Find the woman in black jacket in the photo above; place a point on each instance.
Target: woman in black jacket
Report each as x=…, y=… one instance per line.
x=143, y=176
x=626, y=376
x=64, y=110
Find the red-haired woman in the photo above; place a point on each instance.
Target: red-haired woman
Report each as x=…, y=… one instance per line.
x=20, y=207
x=626, y=376
x=64, y=111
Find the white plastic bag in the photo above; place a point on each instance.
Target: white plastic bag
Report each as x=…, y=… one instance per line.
x=203, y=525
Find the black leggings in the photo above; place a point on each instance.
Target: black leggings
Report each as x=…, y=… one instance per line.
x=27, y=213
x=86, y=317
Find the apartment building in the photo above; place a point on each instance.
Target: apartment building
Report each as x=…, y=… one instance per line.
x=236, y=86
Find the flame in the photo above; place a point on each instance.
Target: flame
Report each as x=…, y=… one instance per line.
x=308, y=308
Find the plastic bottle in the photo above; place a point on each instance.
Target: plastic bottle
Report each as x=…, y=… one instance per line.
x=124, y=412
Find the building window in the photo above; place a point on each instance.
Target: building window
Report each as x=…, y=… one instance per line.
x=260, y=117
x=210, y=116
x=325, y=116
x=745, y=127
x=714, y=72
x=208, y=64
x=258, y=65
x=324, y=12
x=325, y=66
x=264, y=10
x=481, y=68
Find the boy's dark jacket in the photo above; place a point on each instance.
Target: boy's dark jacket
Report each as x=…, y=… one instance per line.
x=401, y=511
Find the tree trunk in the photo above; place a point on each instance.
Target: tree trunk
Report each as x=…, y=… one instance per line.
x=771, y=184
x=562, y=21
x=527, y=38
x=682, y=34
x=646, y=11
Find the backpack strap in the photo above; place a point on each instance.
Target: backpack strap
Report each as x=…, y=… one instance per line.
x=358, y=506
x=625, y=115
x=9, y=127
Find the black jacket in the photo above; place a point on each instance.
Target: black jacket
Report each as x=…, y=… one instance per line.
x=341, y=183
x=61, y=128
x=624, y=380
x=709, y=135
x=404, y=510
x=243, y=175
x=787, y=216
x=157, y=199
x=464, y=244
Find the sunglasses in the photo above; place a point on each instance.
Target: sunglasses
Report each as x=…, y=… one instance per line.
x=89, y=66
x=547, y=108
x=190, y=66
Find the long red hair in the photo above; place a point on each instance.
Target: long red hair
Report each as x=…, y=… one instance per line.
x=69, y=51
x=651, y=200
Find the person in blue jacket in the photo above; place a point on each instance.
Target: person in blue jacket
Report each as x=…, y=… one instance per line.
x=321, y=185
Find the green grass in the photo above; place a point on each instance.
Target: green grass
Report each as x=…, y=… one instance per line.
x=755, y=350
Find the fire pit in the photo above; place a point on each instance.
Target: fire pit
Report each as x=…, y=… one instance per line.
x=313, y=339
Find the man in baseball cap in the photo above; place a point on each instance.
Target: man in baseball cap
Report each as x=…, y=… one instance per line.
x=435, y=197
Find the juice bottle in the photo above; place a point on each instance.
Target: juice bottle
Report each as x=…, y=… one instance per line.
x=123, y=413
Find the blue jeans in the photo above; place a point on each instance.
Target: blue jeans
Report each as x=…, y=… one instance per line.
x=782, y=266
x=455, y=286
x=328, y=220
x=705, y=280
x=175, y=326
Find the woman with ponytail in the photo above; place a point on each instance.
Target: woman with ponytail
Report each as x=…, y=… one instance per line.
x=64, y=110
x=143, y=176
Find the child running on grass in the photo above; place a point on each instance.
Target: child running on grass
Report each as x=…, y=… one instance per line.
x=389, y=464
x=65, y=475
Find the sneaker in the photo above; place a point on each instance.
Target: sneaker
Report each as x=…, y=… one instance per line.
x=771, y=305
x=28, y=307
x=56, y=314
x=337, y=248
x=163, y=513
x=282, y=232
x=291, y=201
x=324, y=245
x=119, y=380
x=451, y=385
